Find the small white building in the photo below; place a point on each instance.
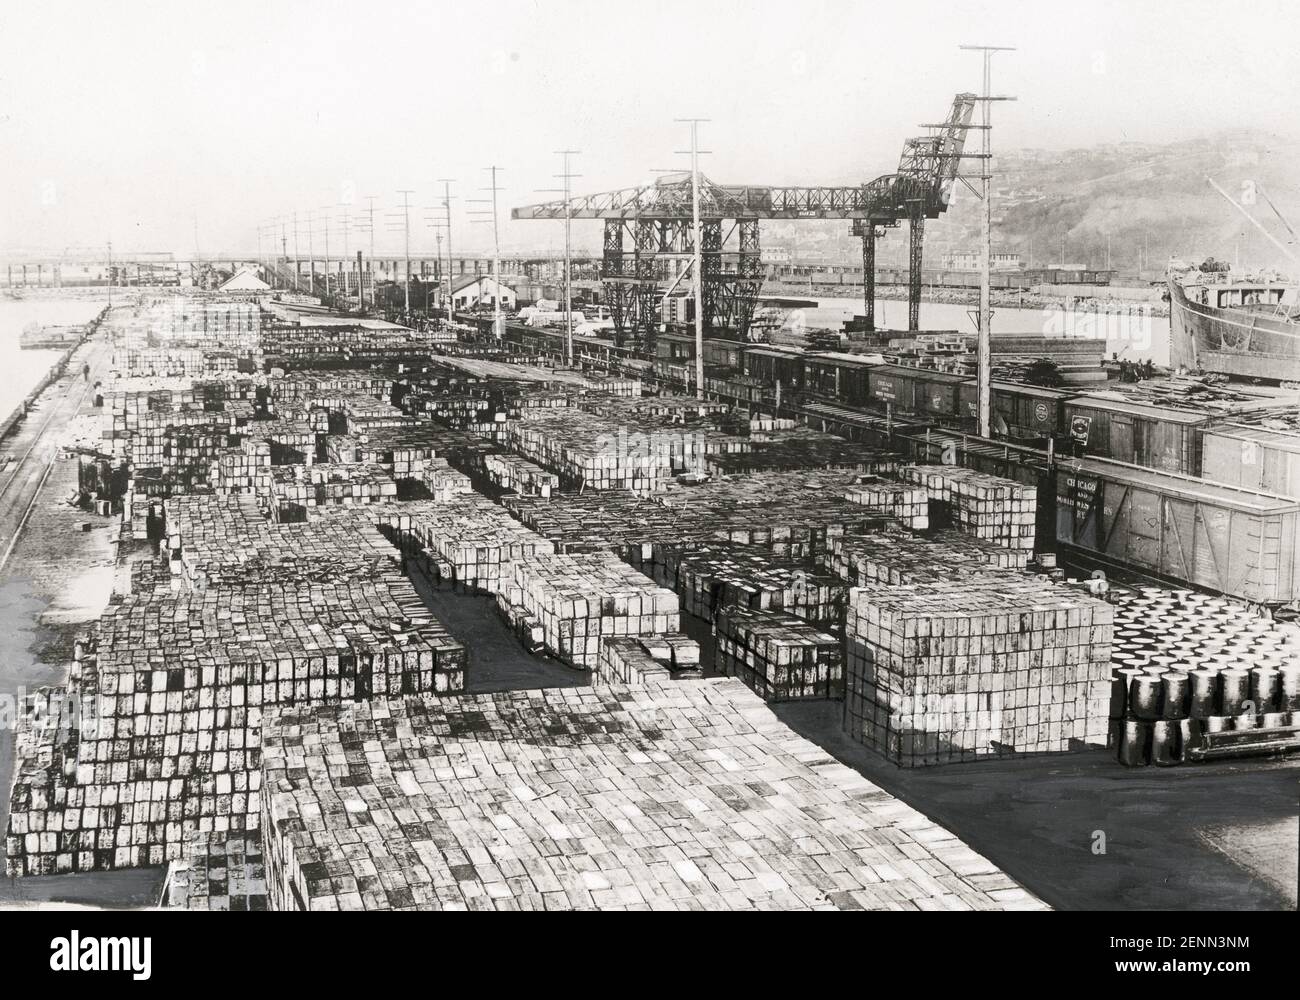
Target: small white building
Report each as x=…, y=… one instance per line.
x=969, y=260
x=481, y=289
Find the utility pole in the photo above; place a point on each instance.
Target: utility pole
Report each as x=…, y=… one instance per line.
x=985, y=345
x=406, y=224
x=370, y=267
x=311, y=257
x=284, y=241
x=446, y=204
x=297, y=260
x=568, y=255
x=110, y=274
x=567, y=191
x=698, y=262
x=496, y=250
x=347, y=231
x=327, y=253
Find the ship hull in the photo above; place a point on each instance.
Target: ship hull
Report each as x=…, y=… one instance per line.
x=1234, y=342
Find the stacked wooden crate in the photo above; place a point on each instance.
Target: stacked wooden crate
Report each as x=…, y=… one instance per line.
x=989, y=507
x=469, y=544
x=801, y=452
x=294, y=488
x=444, y=483
x=715, y=777
x=591, y=452
x=908, y=504
x=793, y=522
x=343, y=346
x=628, y=659
x=191, y=362
x=244, y=469
x=891, y=557
x=616, y=520
x=519, y=475
x=709, y=577
x=406, y=450
x=976, y=666
x=292, y=442
x=217, y=872
x=779, y=656
x=307, y=385
x=578, y=599
x=173, y=686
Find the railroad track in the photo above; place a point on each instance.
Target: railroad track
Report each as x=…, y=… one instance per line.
x=15, y=506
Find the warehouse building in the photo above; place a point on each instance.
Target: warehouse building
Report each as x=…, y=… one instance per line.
x=482, y=290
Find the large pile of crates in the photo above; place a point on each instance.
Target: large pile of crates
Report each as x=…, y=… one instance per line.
x=971, y=665
x=172, y=682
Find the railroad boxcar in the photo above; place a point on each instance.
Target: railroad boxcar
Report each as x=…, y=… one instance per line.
x=1257, y=458
x=892, y=385
x=1156, y=437
x=775, y=364
x=1222, y=538
x=842, y=377
x=938, y=394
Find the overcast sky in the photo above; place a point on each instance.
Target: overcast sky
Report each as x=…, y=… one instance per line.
x=144, y=122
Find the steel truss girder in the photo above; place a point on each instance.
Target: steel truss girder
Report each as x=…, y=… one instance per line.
x=916, y=245
x=633, y=282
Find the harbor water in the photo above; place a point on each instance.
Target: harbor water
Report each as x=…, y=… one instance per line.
x=23, y=370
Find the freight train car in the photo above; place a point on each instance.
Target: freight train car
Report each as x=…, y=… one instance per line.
x=841, y=377
x=894, y=386
x=1027, y=412
x=1220, y=538
x=775, y=364
x=1155, y=437
x=1257, y=458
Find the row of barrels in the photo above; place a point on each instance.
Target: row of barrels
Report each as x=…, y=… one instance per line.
x=1156, y=714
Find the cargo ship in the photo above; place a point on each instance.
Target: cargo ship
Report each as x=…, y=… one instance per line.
x=1247, y=329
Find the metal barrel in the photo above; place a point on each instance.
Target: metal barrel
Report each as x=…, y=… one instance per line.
x=1145, y=694
x=1290, y=686
x=1234, y=690
x=1165, y=749
x=1135, y=743
x=1265, y=686
x=1275, y=720
x=1218, y=723
x=1175, y=695
x=1204, y=700
x=1119, y=685
x=1189, y=735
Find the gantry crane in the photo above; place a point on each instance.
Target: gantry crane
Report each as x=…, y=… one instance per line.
x=656, y=219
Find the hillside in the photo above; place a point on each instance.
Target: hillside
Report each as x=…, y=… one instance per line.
x=1149, y=202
